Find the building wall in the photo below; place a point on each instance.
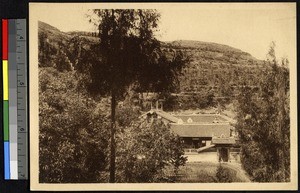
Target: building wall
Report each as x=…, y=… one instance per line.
x=195, y=142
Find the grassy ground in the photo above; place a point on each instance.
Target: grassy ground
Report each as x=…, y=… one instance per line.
x=205, y=172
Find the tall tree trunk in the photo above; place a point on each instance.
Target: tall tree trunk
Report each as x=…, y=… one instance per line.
x=112, y=138
x=113, y=110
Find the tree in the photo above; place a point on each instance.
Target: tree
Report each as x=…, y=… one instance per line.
x=72, y=137
x=145, y=149
x=128, y=54
x=46, y=50
x=263, y=123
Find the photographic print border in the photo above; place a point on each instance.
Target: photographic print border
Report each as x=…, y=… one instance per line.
x=34, y=116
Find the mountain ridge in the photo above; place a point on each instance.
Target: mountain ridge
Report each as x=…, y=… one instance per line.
x=196, y=44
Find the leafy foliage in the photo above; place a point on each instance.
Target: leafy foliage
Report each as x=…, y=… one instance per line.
x=224, y=175
x=127, y=114
x=73, y=134
x=129, y=54
x=145, y=149
x=263, y=123
x=73, y=126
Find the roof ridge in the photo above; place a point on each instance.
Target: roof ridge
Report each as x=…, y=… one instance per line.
x=195, y=123
x=206, y=114
x=167, y=116
x=163, y=114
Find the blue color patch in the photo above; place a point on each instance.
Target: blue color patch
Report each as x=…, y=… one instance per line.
x=6, y=161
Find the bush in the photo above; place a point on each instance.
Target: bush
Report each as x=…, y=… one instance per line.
x=225, y=175
x=145, y=149
x=72, y=136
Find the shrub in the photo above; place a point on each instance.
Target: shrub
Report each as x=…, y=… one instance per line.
x=72, y=137
x=145, y=149
x=225, y=175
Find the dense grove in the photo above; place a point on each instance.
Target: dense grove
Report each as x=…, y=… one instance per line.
x=74, y=136
x=263, y=123
x=74, y=133
x=73, y=130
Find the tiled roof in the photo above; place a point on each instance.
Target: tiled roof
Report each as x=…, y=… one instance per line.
x=167, y=116
x=230, y=140
x=201, y=130
x=162, y=114
x=193, y=118
x=205, y=147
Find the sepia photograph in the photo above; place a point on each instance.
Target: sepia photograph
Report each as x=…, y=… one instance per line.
x=163, y=96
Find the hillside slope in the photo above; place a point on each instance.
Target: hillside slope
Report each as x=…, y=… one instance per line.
x=214, y=64
x=215, y=70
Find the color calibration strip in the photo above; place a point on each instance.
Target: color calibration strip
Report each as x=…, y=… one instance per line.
x=12, y=95
x=5, y=98
x=14, y=66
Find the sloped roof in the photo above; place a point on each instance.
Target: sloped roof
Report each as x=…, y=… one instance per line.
x=228, y=118
x=196, y=118
x=162, y=114
x=227, y=140
x=203, y=118
x=167, y=116
x=201, y=130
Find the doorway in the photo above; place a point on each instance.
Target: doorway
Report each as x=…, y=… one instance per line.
x=223, y=154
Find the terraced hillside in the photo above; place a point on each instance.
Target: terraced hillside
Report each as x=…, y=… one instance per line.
x=214, y=65
x=215, y=71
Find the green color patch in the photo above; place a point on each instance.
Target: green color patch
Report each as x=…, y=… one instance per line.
x=5, y=121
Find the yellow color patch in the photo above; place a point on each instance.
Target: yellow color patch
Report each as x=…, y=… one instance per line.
x=5, y=79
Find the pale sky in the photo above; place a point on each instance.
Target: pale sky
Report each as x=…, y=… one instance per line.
x=246, y=26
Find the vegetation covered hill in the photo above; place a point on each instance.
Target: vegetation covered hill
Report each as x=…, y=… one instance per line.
x=214, y=74
x=212, y=64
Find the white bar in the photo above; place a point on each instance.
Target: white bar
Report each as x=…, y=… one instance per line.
x=13, y=165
